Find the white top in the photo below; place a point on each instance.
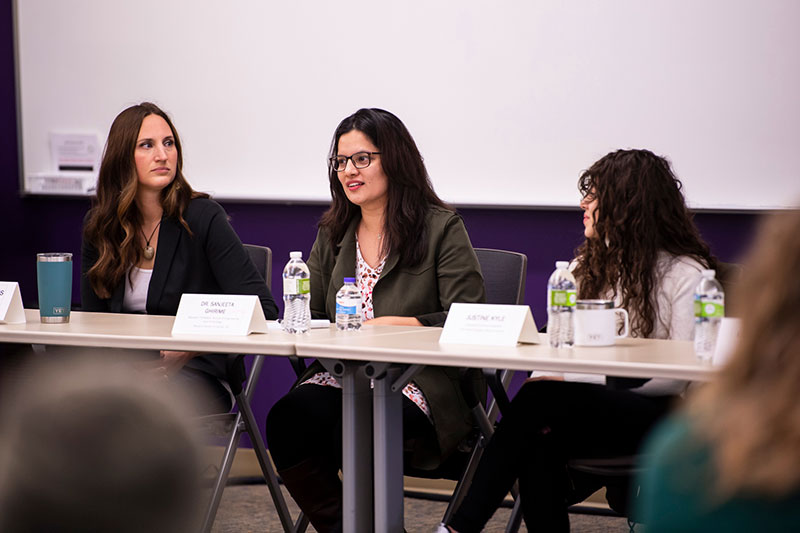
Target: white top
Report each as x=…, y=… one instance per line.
x=676, y=279
x=135, y=298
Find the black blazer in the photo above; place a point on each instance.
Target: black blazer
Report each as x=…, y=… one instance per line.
x=210, y=261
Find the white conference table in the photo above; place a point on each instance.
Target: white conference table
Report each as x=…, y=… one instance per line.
x=391, y=361
x=154, y=332
x=387, y=356
x=142, y=332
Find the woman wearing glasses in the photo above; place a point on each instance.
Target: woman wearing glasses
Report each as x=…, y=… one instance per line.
x=412, y=258
x=643, y=251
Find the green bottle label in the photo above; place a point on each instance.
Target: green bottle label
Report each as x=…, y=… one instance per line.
x=563, y=298
x=709, y=309
x=303, y=286
x=296, y=286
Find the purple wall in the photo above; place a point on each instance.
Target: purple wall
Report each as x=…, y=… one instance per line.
x=36, y=224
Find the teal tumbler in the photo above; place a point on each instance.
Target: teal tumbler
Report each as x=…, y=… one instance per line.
x=54, y=277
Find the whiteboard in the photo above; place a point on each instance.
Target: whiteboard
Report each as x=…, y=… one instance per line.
x=508, y=101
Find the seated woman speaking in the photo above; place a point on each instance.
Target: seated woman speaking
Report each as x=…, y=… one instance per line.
x=149, y=238
x=412, y=258
x=643, y=251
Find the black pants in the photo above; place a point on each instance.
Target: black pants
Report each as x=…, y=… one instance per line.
x=549, y=423
x=307, y=423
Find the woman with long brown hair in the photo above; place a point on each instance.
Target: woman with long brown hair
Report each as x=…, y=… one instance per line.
x=731, y=460
x=149, y=238
x=412, y=258
x=643, y=251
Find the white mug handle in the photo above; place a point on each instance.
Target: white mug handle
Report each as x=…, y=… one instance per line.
x=624, y=314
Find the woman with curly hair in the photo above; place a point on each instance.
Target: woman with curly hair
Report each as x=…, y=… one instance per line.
x=149, y=238
x=731, y=460
x=643, y=251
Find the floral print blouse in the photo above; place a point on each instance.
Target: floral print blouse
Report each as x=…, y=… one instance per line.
x=366, y=278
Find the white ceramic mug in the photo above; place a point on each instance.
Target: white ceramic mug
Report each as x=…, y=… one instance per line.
x=596, y=323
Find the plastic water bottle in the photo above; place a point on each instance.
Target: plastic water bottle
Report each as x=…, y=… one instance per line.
x=709, y=308
x=561, y=298
x=296, y=295
x=348, y=306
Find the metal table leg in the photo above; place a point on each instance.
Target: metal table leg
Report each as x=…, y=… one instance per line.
x=388, y=446
x=356, y=444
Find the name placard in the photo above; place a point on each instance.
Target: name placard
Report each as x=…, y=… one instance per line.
x=219, y=314
x=491, y=325
x=11, y=310
x=727, y=339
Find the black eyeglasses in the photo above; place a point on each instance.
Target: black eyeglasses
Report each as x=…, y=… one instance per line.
x=359, y=159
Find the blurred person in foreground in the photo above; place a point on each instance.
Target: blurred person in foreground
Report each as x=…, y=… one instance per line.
x=91, y=447
x=731, y=460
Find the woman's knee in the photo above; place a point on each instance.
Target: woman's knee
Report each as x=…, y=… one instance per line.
x=290, y=414
x=300, y=422
x=540, y=390
x=278, y=419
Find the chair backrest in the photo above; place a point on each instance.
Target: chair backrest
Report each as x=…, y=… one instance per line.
x=504, y=275
x=262, y=258
x=729, y=275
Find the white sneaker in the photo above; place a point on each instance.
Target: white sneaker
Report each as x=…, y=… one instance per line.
x=441, y=528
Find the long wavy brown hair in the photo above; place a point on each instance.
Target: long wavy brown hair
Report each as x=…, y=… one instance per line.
x=114, y=219
x=410, y=191
x=640, y=213
x=750, y=413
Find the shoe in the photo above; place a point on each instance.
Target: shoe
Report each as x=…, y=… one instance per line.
x=318, y=492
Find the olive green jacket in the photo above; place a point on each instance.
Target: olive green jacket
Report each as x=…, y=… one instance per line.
x=448, y=273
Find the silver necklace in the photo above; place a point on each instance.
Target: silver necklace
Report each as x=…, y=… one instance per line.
x=149, y=252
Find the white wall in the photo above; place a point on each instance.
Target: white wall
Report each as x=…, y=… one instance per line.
x=508, y=101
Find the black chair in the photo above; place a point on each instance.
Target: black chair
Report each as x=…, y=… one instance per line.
x=729, y=275
x=232, y=425
x=504, y=275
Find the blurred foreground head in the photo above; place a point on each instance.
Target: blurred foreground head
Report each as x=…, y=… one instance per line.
x=94, y=448
x=750, y=414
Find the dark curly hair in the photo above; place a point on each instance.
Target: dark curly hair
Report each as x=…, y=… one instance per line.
x=640, y=212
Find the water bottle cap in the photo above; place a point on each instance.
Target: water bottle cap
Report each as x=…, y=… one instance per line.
x=709, y=273
x=562, y=265
x=295, y=255
x=349, y=280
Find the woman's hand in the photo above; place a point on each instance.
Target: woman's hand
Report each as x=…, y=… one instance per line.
x=172, y=362
x=394, y=321
x=545, y=378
